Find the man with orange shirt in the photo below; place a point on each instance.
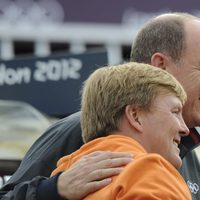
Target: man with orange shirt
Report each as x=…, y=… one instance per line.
x=135, y=108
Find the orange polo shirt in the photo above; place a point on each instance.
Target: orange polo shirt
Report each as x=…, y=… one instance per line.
x=148, y=177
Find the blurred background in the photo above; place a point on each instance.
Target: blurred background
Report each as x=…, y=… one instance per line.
x=42, y=27
x=49, y=47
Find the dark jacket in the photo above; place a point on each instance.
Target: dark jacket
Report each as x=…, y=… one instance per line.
x=63, y=138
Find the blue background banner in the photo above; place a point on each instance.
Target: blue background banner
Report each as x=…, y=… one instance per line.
x=51, y=84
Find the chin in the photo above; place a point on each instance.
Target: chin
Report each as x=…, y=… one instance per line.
x=197, y=122
x=192, y=120
x=177, y=162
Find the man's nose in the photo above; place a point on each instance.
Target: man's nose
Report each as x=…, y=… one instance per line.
x=184, y=129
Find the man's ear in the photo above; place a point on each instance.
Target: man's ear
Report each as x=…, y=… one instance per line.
x=159, y=60
x=133, y=117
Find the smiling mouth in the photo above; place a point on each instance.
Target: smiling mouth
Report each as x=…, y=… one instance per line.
x=176, y=142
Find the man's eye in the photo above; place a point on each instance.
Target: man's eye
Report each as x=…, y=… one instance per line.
x=176, y=111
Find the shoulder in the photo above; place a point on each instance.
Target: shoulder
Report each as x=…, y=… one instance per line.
x=150, y=175
x=153, y=163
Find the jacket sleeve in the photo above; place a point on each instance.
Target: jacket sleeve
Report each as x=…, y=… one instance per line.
x=47, y=189
x=61, y=139
x=24, y=190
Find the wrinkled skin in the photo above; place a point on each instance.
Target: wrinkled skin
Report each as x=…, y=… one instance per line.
x=187, y=72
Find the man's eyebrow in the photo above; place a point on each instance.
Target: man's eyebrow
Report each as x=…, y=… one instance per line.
x=179, y=106
x=198, y=65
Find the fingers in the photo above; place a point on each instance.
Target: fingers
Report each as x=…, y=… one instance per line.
x=101, y=174
x=114, y=162
x=101, y=155
x=105, y=160
x=96, y=185
x=91, y=173
x=109, y=164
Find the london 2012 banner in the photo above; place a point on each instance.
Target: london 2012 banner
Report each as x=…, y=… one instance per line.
x=51, y=84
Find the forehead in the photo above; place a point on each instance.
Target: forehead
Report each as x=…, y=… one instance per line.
x=167, y=101
x=192, y=30
x=192, y=42
x=192, y=26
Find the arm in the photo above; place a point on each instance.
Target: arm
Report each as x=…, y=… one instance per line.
x=150, y=177
x=61, y=139
x=89, y=174
x=74, y=183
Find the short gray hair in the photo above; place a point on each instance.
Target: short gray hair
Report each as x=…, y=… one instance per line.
x=165, y=34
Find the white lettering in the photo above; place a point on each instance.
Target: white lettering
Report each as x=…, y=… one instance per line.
x=11, y=76
x=24, y=75
x=39, y=74
x=75, y=67
x=2, y=73
x=54, y=70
